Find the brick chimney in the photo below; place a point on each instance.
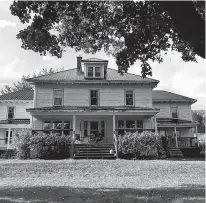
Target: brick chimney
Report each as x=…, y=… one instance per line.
x=79, y=66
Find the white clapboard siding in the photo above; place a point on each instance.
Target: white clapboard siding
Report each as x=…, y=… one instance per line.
x=184, y=111
x=79, y=95
x=19, y=110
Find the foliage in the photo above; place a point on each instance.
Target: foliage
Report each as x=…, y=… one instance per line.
x=23, y=84
x=44, y=146
x=201, y=141
x=129, y=30
x=51, y=146
x=96, y=138
x=22, y=143
x=199, y=117
x=141, y=146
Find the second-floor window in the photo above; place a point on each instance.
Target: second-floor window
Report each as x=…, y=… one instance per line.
x=129, y=97
x=58, y=97
x=10, y=112
x=94, y=100
x=94, y=72
x=174, y=111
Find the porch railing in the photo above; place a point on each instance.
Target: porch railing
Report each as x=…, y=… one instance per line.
x=187, y=142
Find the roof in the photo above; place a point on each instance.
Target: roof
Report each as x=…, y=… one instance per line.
x=15, y=121
x=94, y=60
x=90, y=108
x=18, y=95
x=165, y=96
x=74, y=76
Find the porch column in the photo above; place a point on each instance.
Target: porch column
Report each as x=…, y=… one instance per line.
x=155, y=123
x=176, y=137
x=8, y=139
x=73, y=136
x=115, y=136
x=196, y=131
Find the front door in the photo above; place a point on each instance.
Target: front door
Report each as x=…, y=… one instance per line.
x=94, y=126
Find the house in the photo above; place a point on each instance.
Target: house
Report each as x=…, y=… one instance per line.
x=13, y=115
x=94, y=98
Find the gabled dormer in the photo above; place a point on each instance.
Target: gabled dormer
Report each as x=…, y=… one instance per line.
x=92, y=68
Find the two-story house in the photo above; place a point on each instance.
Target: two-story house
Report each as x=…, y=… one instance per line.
x=92, y=98
x=13, y=115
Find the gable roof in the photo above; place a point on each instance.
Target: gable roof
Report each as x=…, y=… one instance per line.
x=73, y=76
x=94, y=60
x=18, y=95
x=165, y=96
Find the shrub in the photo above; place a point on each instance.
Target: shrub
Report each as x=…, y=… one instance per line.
x=145, y=145
x=52, y=146
x=21, y=143
x=45, y=146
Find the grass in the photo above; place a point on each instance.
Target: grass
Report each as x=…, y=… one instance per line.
x=102, y=181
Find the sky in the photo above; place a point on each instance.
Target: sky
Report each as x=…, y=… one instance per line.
x=175, y=75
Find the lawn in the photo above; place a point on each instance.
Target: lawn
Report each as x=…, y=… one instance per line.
x=102, y=181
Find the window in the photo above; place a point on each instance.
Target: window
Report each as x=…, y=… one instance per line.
x=61, y=127
x=174, y=111
x=129, y=98
x=6, y=137
x=10, y=112
x=94, y=72
x=58, y=97
x=94, y=97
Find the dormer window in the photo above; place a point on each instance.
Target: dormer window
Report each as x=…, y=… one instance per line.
x=94, y=72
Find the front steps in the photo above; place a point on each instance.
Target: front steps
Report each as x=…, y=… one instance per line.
x=84, y=151
x=175, y=152
x=8, y=154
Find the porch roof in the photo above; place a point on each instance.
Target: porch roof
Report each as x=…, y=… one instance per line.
x=15, y=121
x=168, y=122
x=90, y=108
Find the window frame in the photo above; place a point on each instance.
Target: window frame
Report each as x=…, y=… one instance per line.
x=94, y=71
x=57, y=97
x=6, y=136
x=125, y=96
x=177, y=111
x=13, y=112
x=98, y=97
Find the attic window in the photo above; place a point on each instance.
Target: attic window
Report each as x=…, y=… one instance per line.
x=94, y=72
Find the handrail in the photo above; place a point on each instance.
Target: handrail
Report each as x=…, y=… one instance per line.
x=115, y=140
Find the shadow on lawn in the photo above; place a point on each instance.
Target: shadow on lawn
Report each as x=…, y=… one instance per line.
x=186, y=193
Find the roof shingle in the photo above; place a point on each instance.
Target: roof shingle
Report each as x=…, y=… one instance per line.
x=18, y=95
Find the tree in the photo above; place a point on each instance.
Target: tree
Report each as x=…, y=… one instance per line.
x=199, y=117
x=128, y=30
x=23, y=84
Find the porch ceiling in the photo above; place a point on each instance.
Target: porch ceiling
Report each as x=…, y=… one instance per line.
x=92, y=110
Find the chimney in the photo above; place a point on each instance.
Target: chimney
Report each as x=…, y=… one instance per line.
x=79, y=66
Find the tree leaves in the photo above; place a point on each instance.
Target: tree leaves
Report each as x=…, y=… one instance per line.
x=127, y=30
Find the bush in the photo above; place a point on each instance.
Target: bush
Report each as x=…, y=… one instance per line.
x=51, y=146
x=45, y=146
x=21, y=144
x=145, y=145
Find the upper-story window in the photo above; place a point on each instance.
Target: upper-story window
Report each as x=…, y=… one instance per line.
x=129, y=97
x=58, y=97
x=174, y=111
x=94, y=72
x=94, y=100
x=10, y=112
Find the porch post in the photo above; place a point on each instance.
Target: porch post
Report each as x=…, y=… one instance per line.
x=196, y=131
x=176, y=137
x=115, y=136
x=155, y=122
x=8, y=139
x=73, y=135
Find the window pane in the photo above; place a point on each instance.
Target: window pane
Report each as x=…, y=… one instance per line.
x=66, y=124
x=174, y=112
x=130, y=124
x=58, y=101
x=57, y=124
x=47, y=125
x=94, y=97
x=139, y=124
x=93, y=101
x=120, y=124
x=129, y=97
x=94, y=125
x=90, y=71
x=10, y=112
x=97, y=72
